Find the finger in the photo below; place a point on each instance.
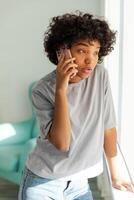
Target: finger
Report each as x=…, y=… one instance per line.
x=71, y=60
x=119, y=187
x=71, y=72
x=73, y=75
x=123, y=188
x=129, y=187
x=62, y=63
x=69, y=66
x=61, y=60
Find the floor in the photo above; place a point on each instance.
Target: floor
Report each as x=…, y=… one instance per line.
x=9, y=191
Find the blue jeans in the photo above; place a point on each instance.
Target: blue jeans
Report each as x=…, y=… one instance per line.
x=34, y=187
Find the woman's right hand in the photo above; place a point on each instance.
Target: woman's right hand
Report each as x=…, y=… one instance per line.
x=66, y=69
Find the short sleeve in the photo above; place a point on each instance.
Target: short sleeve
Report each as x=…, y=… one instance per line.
x=43, y=108
x=109, y=112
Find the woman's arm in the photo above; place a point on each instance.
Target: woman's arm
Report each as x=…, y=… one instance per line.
x=60, y=132
x=110, y=147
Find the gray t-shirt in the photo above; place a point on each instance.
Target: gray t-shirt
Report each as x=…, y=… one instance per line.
x=91, y=112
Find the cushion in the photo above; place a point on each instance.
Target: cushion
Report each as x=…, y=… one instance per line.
x=9, y=157
x=13, y=133
x=8, y=162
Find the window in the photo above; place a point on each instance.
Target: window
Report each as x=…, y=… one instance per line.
x=120, y=65
x=127, y=122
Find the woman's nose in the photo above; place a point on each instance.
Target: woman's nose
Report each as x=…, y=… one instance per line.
x=88, y=59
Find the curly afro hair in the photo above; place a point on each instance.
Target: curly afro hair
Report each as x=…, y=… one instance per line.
x=71, y=27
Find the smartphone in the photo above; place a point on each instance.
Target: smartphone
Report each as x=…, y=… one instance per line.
x=66, y=52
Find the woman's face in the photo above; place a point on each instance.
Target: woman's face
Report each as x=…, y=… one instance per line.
x=86, y=54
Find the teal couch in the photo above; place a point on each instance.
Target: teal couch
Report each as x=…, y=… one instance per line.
x=16, y=141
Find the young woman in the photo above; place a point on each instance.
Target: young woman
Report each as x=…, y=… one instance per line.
x=75, y=112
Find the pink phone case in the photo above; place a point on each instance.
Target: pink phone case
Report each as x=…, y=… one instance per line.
x=66, y=51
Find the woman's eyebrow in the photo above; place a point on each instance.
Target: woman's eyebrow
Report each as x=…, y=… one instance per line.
x=84, y=44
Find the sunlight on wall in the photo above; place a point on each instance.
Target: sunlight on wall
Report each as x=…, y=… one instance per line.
x=127, y=139
x=6, y=131
x=112, y=60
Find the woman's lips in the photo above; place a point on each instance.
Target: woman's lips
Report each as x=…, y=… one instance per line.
x=86, y=70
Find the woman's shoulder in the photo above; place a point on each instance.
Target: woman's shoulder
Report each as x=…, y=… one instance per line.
x=101, y=72
x=47, y=81
x=101, y=69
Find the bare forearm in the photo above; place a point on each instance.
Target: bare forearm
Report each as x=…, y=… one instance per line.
x=117, y=182
x=60, y=131
x=110, y=147
x=110, y=142
x=113, y=167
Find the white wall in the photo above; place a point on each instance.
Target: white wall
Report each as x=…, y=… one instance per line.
x=113, y=60
x=22, y=60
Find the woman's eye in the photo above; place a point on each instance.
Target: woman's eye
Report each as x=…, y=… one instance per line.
x=81, y=51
